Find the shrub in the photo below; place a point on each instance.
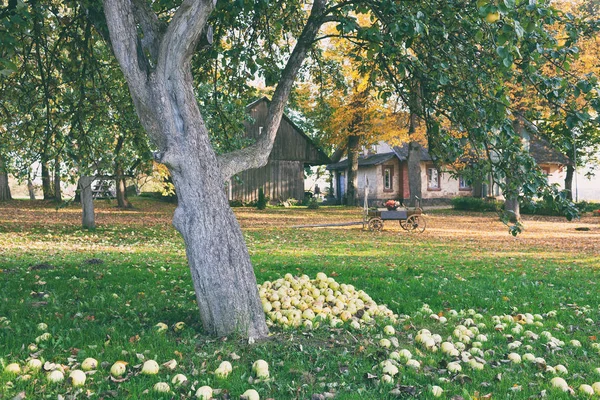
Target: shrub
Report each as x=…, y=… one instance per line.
x=261, y=203
x=596, y=213
x=236, y=203
x=475, y=204
x=307, y=198
x=171, y=198
x=313, y=204
x=540, y=207
x=584, y=206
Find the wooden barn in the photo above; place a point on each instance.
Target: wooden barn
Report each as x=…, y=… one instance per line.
x=283, y=176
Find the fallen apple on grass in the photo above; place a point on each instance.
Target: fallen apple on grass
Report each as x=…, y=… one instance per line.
x=150, y=367
x=89, y=364
x=118, y=369
x=77, y=378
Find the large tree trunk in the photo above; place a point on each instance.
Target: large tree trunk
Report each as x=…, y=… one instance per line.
x=352, y=189
x=88, y=220
x=121, y=189
x=217, y=255
x=4, y=188
x=57, y=190
x=569, y=181
x=46, y=181
x=164, y=98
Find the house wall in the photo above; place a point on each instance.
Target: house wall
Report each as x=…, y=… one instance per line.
x=396, y=192
x=449, y=186
x=588, y=189
x=556, y=174
x=374, y=175
x=368, y=174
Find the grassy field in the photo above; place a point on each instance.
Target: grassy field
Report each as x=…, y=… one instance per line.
x=101, y=294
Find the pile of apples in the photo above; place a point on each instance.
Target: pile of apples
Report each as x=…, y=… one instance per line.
x=292, y=302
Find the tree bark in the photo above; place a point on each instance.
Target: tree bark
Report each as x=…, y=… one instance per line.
x=119, y=179
x=569, y=181
x=46, y=181
x=121, y=189
x=30, y=189
x=57, y=190
x=414, y=173
x=511, y=194
x=164, y=98
x=512, y=207
x=88, y=220
x=414, y=164
x=352, y=189
x=4, y=188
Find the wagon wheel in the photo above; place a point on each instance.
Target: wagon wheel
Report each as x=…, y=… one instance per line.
x=375, y=224
x=403, y=224
x=415, y=223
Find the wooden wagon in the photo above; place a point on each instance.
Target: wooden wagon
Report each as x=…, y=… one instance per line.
x=410, y=220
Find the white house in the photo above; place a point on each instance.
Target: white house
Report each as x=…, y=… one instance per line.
x=385, y=168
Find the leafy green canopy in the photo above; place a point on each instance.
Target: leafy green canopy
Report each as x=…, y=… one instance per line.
x=473, y=63
x=66, y=97
x=470, y=60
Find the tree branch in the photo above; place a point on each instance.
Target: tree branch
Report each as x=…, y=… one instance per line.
x=124, y=39
x=183, y=34
x=257, y=155
x=150, y=25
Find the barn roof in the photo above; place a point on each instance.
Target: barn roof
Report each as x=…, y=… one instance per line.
x=322, y=158
x=375, y=159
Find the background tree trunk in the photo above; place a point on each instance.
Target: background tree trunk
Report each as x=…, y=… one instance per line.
x=30, y=189
x=57, y=190
x=414, y=164
x=4, y=188
x=512, y=207
x=569, y=181
x=352, y=190
x=46, y=184
x=88, y=220
x=511, y=203
x=121, y=189
x=414, y=172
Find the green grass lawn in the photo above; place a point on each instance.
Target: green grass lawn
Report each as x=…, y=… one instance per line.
x=101, y=294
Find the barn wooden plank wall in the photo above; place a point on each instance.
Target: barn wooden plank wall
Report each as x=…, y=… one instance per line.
x=281, y=180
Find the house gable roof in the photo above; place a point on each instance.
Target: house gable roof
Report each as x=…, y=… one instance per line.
x=543, y=152
x=375, y=159
x=321, y=157
x=402, y=152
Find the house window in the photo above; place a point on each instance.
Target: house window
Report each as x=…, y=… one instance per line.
x=388, y=178
x=433, y=178
x=463, y=184
x=546, y=172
